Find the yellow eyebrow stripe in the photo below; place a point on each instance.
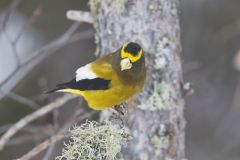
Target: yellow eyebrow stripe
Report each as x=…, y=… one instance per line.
x=130, y=56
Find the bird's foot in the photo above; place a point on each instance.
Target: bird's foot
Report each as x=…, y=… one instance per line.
x=121, y=109
x=119, y=114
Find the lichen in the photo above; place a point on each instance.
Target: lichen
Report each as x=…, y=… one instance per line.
x=159, y=143
x=93, y=141
x=160, y=96
x=119, y=6
x=165, y=90
x=94, y=5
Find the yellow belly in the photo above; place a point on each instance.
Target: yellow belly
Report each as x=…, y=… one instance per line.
x=102, y=99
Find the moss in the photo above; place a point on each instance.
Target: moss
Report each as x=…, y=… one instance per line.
x=92, y=141
x=160, y=96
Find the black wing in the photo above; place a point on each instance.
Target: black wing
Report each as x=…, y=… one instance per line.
x=85, y=84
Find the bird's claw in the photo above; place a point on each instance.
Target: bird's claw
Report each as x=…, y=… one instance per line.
x=121, y=109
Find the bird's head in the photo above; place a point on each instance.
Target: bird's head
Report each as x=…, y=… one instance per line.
x=130, y=53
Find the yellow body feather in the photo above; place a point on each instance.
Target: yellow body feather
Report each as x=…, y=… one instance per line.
x=118, y=91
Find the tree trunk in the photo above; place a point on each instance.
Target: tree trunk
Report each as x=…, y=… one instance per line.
x=157, y=124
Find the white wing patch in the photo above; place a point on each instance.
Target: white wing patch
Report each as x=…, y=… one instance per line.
x=85, y=72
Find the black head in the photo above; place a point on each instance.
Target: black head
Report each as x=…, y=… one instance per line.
x=129, y=62
x=132, y=48
x=131, y=51
x=130, y=58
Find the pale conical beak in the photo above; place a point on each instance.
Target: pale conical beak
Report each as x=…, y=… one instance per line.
x=125, y=64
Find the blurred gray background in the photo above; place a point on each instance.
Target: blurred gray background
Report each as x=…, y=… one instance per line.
x=211, y=62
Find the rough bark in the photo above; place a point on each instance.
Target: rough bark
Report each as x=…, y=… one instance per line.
x=157, y=124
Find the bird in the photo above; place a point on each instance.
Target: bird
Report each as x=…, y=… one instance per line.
x=111, y=80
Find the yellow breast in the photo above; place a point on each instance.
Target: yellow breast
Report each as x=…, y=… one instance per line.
x=115, y=95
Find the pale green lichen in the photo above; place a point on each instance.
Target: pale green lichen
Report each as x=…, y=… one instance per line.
x=119, y=6
x=159, y=143
x=94, y=5
x=165, y=91
x=160, y=96
x=92, y=141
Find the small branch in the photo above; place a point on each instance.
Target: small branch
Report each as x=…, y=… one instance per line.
x=22, y=100
x=28, y=23
x=65, y=128
x=53, y=45
x=67, y=124
x=27, y=64
x=40, y=54
x=55, y=120
x=42, y=146
x=30, y=138
x=80, y=16
x=13, y=46
x=49, y=151
x=10, y=12
x=30, y=128
x=31, y=117
x=62, y=134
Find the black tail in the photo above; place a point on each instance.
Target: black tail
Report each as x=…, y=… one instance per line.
x=52, y=90
x=60, y=86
